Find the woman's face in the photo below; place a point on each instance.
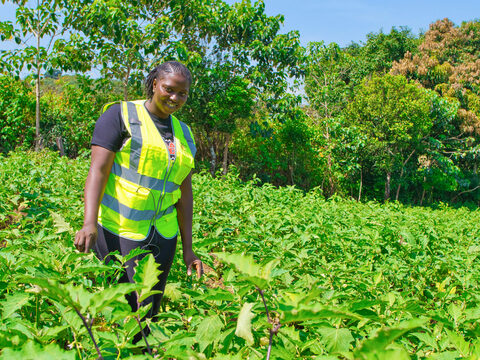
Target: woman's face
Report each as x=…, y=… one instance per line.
x=169, y=94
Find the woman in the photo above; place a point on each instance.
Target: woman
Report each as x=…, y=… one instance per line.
x=138, y=192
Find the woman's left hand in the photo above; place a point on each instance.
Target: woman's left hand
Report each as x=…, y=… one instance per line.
x=192, y=261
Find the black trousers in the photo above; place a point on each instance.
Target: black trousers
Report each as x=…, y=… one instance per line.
x=162, y=249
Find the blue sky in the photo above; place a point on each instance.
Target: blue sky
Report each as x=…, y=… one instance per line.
x=344, y=21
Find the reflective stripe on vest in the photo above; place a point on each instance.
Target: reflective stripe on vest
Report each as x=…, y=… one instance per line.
x=133, y=214
x=144, y=184
x=136, y=132
x=188, y=137
x=142, y=180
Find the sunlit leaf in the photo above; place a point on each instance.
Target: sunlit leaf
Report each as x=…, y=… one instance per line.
x=208, y=331
x=244, y=323
x=146, y=276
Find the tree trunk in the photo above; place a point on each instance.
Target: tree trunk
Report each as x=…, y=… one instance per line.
x=60, y=147
x=225, y=153
x=38, y=140
x=213, y=160
x=423, y=192
x=387, y=186
x=361, y=185
x=401, y=174
x=399, y=185
x=291, y=168
x=331, y=183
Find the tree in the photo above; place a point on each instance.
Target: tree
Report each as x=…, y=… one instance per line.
x=277, y=146
x=47, y=22
x=382, y=50
x=244, y=43
x=448, y=62
x=394, y=116
x=327, y=78
x=251, y=41
x=122, y=34
x=328, y=87
x=217, y=101
x=17, y=109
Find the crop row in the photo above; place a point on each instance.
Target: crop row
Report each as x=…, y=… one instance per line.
x=288, y=273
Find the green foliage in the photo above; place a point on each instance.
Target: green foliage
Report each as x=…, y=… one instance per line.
x=70, y=115
x=218, y=99
x=258, y=275
x=342, y=278
x=393, y=113
x=146, y=276
x=43, y=21
x=244, y=323
x=381, y=50
x=394, y=116
x=328, y=78
x=17, y=104
x=256, y=148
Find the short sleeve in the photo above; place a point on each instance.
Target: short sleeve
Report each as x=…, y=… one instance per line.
x=110, y=131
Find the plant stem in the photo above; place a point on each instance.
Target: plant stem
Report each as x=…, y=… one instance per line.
x=143, y=334
x=76, y=344
x=272, y=332
x=274, y=329
x=264, y=303
x=89, y=332
x=37, y=313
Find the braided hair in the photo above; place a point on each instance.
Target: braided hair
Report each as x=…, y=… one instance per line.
x=158, y=72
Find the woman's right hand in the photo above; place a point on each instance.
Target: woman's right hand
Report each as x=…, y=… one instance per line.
x=86, y=238
x=102, y=160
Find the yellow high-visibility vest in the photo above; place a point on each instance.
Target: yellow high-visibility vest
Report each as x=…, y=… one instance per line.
x=144, y=184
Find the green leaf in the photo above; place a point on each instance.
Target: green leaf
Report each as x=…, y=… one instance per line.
x=32, y=351
x=427, y=339
x=446, y=355
x=385, y=336
x=14, y=302
x=336, y=340
x=54, y=290
x=208, y=331
x=244, y=264
x=146, y=275
x=50, y=333
x=172, y=292
x=244, y=323
x=314, y=312
x=455, y=312
x=110, y=295
x=472, y=313
x=60, y=224
x=459, y=342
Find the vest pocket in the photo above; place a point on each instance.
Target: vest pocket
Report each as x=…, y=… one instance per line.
x=152, y=160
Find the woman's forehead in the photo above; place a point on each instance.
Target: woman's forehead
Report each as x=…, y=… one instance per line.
x=174, y=79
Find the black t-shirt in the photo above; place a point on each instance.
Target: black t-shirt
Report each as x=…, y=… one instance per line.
x=110, y=131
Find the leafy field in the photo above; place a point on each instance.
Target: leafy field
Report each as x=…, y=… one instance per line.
x=340, y=279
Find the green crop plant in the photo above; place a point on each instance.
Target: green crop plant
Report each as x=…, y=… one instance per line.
x=288, y=275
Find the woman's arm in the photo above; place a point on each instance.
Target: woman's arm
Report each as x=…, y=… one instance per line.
x=184, y=208
x=101, y=164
